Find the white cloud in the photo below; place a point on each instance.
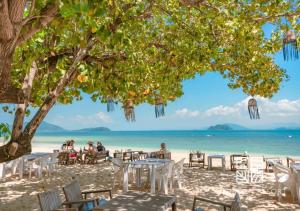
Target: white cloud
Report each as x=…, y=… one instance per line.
x=186, y=113
x=221, y=110
x=267, y=108
x=99, y=117
x=103, y=117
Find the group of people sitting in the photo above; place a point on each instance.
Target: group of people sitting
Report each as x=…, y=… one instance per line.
x=88, y=153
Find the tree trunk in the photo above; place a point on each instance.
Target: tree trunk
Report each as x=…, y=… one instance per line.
x=24, y=139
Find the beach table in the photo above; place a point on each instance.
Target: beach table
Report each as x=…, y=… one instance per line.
x=220, y=157
x=151, y=164
x=295, y=182
x=139, y=201
x=35, y=155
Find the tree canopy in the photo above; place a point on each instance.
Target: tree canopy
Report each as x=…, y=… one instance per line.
x=119, y=50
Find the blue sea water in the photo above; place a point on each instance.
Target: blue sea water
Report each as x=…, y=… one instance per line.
x=274, y=142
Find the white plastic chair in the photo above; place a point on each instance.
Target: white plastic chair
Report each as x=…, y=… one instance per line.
x=177, y=173
x=256, y=169
x=2, y=170
x=164, y=177
x=36, y=166
x=10, y=166
x=52, y=162
x=118, y=167
x=282, y=175
x=254, y=173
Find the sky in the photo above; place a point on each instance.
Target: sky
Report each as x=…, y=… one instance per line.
x=206, y=101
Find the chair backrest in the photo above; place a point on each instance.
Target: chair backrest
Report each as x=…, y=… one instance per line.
x=54, y=157
x=49, y=200
x=256, y=163
x=281, y=172
x=2, y=170
x=236, y=203
x=73, y=193
x=170, y=168
x=117, y=164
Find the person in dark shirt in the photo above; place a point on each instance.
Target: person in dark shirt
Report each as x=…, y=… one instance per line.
x=100, y=147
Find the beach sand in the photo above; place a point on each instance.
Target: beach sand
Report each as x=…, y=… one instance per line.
x=21, y=194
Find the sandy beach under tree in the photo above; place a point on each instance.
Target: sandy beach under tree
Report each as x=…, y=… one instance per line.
x=21, y=194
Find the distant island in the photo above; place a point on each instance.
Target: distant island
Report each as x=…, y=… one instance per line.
x=46, y=127
x=94, y=129
x=226, y=127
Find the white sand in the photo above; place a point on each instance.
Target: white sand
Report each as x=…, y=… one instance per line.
x=20, y=195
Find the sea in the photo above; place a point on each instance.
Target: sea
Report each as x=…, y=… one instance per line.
x=260, y=142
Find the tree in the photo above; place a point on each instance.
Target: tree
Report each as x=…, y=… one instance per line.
x=51, y=51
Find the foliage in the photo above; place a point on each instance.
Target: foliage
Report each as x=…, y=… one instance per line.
x=5, y=131
x=147, y=48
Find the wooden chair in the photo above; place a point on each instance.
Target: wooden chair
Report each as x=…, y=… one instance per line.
x=74, y=194
x=197, y=158
x=234, y=206
x=101, y=155
x=63, y=158
x=50, y=201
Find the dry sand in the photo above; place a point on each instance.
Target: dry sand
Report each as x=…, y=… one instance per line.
x=21, y=195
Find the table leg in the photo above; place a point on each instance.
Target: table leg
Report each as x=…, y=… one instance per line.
x=153, y=179
x=125, y=179
x=223, y=164
x=209, y=163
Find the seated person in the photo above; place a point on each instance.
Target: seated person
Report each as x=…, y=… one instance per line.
x=100, y=147
x=64, y=146
x=70, y=148
x=163, y=147
x=163, y=153
x=90, y=151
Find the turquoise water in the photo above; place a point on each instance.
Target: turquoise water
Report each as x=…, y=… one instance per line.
x=285, y=142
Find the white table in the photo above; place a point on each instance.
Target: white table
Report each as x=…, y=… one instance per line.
x=211, y=157
x=151, y=164
x=295, y=174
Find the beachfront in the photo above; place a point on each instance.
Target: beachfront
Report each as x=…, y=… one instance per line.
x=214, y=184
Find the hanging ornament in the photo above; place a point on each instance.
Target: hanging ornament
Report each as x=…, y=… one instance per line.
x=253, y=109
x=129, y=111
x=159, y=107
x=110, y=103
x=290, y=46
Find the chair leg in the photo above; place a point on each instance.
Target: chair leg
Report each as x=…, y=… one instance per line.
x=174, y=206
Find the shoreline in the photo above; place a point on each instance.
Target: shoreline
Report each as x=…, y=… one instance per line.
x=176, y=153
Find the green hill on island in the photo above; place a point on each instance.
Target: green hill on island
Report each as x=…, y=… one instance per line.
x=46, y=127
x=227, y=127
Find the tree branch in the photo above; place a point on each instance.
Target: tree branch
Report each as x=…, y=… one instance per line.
x=21, y=108
x=271, y=17
x=104, y=58
x=32, y=27
x=53, y=95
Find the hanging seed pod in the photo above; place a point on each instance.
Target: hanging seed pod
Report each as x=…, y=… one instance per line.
x=129, y=111
x=110, y=103
x=290, y=46
x=159, y=107
x=253, y=109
